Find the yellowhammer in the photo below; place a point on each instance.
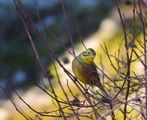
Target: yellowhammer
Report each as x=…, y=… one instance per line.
x=84, y=69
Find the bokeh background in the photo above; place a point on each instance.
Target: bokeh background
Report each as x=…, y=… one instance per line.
x=15, y=46
x=98, y=21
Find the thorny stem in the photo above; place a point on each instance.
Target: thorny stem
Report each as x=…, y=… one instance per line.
x=128, y=58
x=24, y=13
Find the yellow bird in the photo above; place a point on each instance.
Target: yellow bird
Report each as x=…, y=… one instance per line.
x=84, y=69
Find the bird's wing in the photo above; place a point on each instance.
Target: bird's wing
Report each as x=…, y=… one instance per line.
x=94, y=72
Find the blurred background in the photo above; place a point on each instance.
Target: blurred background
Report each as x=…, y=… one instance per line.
x=95, y=19
x=15, y=46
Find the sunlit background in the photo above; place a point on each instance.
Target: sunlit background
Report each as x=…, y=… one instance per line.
x=98, y=21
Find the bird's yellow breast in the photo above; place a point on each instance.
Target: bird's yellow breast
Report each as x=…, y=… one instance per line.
x=79, y=70
x=88, y=60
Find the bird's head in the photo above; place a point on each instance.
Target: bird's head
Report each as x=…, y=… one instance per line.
x=88, y=55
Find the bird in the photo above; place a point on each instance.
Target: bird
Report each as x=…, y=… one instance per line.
x=85, y=70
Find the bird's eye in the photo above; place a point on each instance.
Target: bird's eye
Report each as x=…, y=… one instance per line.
x=88, y=52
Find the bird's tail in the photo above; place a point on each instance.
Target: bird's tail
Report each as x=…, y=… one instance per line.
x=105, y=93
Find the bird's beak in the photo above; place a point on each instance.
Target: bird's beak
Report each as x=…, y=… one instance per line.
x=93, y=56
